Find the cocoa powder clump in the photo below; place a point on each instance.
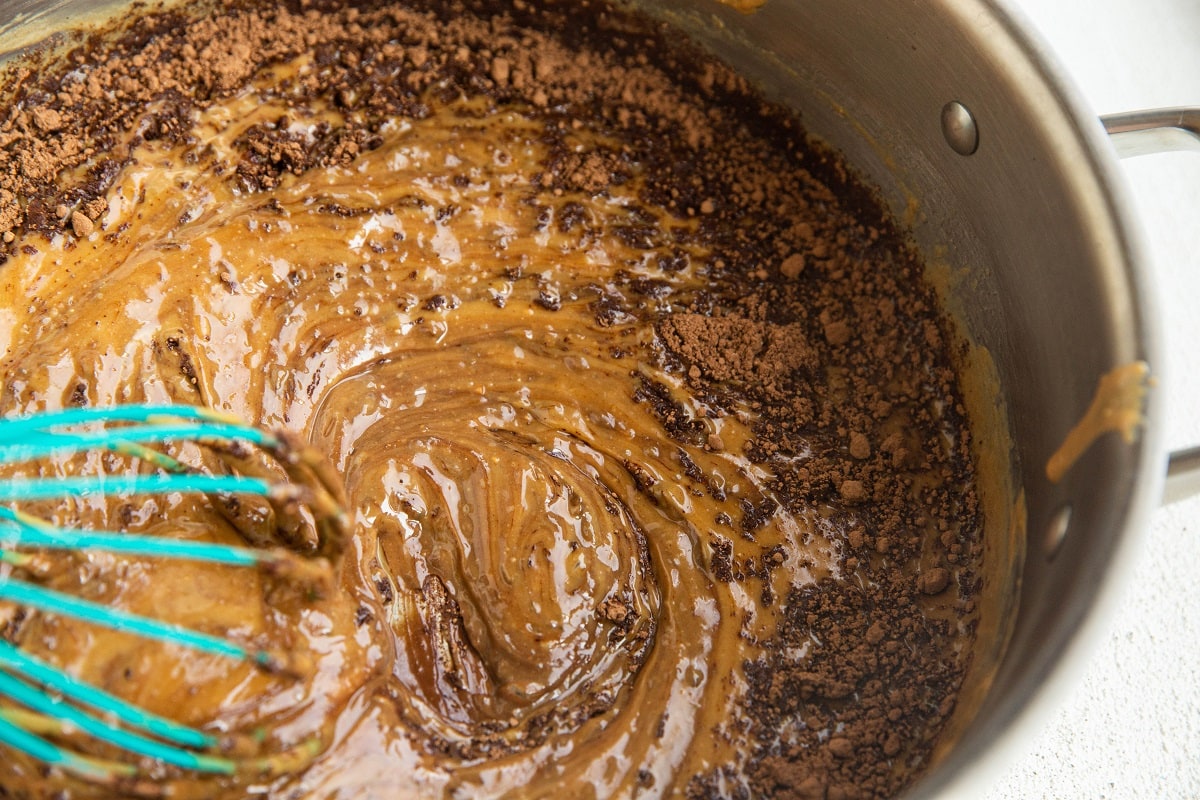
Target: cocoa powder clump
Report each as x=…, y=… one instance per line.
x=739, y=351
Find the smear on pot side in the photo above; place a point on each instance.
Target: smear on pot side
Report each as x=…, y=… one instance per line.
x=659, y=472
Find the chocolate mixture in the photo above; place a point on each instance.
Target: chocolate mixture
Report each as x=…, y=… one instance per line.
x=647, y=415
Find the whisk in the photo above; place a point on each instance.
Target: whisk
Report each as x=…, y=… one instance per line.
x=44, y=709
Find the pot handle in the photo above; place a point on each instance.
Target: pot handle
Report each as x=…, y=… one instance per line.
x=1183, y=475
x=1158, y=130
x=1139, y=133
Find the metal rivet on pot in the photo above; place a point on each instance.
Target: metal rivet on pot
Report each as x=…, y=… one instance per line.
x=959, y=128
x=1056, y=531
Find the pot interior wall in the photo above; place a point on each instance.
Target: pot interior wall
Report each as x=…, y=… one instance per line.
x=26, y=23
x=1025, y=239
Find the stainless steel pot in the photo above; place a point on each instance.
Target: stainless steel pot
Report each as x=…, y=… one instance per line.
x=1009, y=186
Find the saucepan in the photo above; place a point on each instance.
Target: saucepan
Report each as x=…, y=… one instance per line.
x=1011, y=189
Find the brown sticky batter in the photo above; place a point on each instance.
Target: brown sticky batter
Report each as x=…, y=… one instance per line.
x=1115, y=408
x=658, y=470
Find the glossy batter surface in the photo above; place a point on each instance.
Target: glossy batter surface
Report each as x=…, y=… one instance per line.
x=616, y=459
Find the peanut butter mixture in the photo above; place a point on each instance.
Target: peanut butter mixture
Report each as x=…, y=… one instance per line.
x=658, y=472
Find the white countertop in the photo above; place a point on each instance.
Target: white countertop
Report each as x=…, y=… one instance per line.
x=1131, y=726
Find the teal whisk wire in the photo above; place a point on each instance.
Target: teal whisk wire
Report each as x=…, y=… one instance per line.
x=23, y=489
x=41, y=704
x=42, y=443
x=18, y=662
x=15, y=427
x=18, y=738
x=48, y=600
x=23, y=530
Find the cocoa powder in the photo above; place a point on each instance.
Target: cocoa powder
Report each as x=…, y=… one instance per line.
x=163, y=66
